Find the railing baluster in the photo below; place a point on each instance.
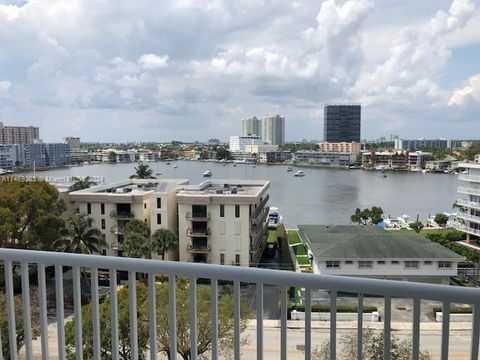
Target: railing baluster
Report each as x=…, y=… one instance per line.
x=283, y=323
x=259, y=321
x=27, y=322
x=132, y=294
x=445, y=329
x=360, y=328
x=12, y=334
x=416, y=329
x=387, y=319
x=172, y=310
x=95, y=313
x=42, y=299
x=193, y=318
x=236, y=320
x=60, y=311
x=152, y=315
x=475, y=332
x=114, y=313
x=308, y=323
x=333, y=325
x=214, y=302
x=77, y=303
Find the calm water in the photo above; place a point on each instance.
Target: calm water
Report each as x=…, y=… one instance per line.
x=322, y=196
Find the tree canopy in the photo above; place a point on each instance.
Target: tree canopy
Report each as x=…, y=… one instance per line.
x=366, y=216
x=164, y=240
x=80, y=183
x=142, y=171
x=81, y=237
x=441, y=219
x=136, y=242
x=417, y=226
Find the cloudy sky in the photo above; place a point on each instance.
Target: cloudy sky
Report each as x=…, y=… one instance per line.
x=149, y=70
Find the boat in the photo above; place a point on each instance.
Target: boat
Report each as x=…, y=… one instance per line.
x=175, y=166
x=274, y=218
x=168, y=162
x=207, y=173
x=289, y=169
x=299, y=173
x=234, y=165
x=158, y=173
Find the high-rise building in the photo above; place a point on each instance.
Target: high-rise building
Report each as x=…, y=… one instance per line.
x=274, y=130
x=251, y=126
x=342, y=123
x=73, y=142
x=18, y=134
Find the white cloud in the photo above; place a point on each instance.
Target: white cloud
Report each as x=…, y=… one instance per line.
x=5, y=88
x=469, y=93
x=152, y=61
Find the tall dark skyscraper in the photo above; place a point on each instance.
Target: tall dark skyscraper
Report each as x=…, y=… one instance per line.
x=341, y=123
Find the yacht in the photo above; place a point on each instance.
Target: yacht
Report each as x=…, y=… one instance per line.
x=175, y=166
x=274, y=218
x=289, y=169
x=299, y=173
x=207, y=173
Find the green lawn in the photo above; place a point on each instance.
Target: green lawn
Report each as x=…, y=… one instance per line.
x=299, y=249
x=293, y=237
x=423, y=232
x=303, y=260
x=272, y=237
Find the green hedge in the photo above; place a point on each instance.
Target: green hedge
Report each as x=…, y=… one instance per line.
x=448, y=239
x=340, y=308
x=454, y=310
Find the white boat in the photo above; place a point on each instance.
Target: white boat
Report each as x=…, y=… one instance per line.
x=175, y=166
x=207, y=173
x=274, y=218
x=299, y=173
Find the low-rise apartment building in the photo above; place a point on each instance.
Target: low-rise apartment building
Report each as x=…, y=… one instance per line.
x=369, y=251
x=317, y=158
x=468, y=216
x=223, y=222
x=340, y=147
x=397, y=159
x=112, y=206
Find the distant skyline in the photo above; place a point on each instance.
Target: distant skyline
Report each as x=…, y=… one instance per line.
x=187, y=70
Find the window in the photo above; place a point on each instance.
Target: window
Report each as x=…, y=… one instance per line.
x=104, y=252
x=103, y=224
x=159, y=219
x=89, y=208
x=222, y=259
x=333, y=264
x=237, y=259
x=102, y=209
x=365, y=264
x=394, y=262
x=349, y=262
x=237, y=211
x=144, y=205
x=427, y=262
x=222, y=210
x=159, y=203
x=411, y=264
x=381, y=262
x=444, y=264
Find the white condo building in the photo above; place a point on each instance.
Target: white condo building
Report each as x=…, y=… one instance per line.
x=274, y=130
x=468, y=216
x=238, y=143
x=251, y=126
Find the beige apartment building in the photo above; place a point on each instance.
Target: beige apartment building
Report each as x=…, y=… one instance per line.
x=217, y=221
x=340, y=147
x=112, y=206
x=223, y=222
x=10, y=135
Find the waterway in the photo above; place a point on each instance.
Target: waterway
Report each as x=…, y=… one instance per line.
x=322, y=196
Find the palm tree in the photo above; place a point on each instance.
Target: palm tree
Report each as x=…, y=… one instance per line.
x=142, y=171
x=81, y=237
x=82, y=183
x=164, y=240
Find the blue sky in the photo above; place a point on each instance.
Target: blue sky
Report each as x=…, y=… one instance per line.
x=182, y=69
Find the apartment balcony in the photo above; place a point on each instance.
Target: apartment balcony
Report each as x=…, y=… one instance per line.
x=125, y=215
x=198, y=232
x=468, y=190
x=197, y=217
x=468, y=177
x=115, y=229
x=467, y=229
x=469, y=204
x=19, y=265
x=468, y=217
x=199, y=249
x=260, y=217
x=260, y=207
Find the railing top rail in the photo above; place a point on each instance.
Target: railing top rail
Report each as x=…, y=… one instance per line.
x=251, y=275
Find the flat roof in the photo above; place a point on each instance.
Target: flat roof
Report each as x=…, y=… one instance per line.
x=329, y=242
x=224, y=188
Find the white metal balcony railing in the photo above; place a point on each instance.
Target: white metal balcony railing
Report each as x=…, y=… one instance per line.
x=471, y=204
x=467, y=229
x=215, y=273
x=468, y=190
x=468, y=217
x=198, y=217
x=468, y=177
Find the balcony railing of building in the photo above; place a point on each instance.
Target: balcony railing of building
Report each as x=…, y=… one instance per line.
x=260, y=206
x=470, y=204
x=467, y=229
x=122, y=214
x=20, y=262
x=259, y=237
x=199, y=249
x=198, y=232
x=115, y=229
x=198, y=216
x=468, y=190
x=468, y=217
x=260, y=217
x=468, y=177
